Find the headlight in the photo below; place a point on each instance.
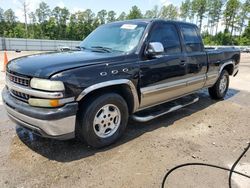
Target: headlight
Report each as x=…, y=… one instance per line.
x=49, y=102
x=47, y=85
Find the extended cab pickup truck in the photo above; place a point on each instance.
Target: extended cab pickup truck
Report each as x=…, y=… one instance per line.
x=121, y=70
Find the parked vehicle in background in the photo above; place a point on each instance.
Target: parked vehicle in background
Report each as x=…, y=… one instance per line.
x=63, y=48
x=246, y=50
x=122, y=69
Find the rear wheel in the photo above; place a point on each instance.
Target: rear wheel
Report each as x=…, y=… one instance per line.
x=103, y=120
x=220, y=88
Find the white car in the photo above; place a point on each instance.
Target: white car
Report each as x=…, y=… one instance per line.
x=246, y=50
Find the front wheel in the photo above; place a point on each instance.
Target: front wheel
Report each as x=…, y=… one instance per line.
x=220, y=88
x=102, y=120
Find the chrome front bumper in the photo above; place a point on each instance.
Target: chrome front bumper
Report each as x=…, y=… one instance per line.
x=56, y=123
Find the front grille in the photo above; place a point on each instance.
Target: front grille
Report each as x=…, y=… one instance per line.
x=24, y=81
x=19, y=95
x=19, y=80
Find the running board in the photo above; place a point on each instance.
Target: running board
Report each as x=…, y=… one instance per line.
x=163, y=109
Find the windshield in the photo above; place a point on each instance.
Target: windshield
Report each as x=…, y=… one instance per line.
x=114, y=37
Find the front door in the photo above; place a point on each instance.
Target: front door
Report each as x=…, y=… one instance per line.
x=163, y=78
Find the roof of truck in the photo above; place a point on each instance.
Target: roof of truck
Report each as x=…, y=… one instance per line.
x=137, y=21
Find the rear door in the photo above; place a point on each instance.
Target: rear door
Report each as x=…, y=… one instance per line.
x=196, y=57
x=163, y=77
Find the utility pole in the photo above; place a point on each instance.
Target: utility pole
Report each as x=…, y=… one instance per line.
x=25, y=12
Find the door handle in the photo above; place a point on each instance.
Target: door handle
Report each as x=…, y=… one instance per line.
x=183, y=62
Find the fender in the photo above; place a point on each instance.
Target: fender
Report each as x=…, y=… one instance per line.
x=112, y=83
x=231, y=62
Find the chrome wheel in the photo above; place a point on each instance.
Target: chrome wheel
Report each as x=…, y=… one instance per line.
x=223, y=84
x=107, y=120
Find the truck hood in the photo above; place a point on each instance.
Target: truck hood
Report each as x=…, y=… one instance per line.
x=46, y=64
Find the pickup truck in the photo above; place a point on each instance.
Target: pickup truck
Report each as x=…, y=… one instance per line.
x=121, y=70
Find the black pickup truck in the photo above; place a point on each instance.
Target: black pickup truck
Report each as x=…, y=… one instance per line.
x=121, y=70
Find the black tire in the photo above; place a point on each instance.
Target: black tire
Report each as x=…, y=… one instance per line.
x=215, y=92
x=88, y=132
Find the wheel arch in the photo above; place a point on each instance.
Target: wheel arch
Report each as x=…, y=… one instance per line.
x=236, y=58
x=228, y=66
x=123, y=87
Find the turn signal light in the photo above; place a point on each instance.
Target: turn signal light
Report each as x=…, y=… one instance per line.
x=45, y=102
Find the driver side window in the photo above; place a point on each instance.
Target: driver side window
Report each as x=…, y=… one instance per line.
x=167, y=35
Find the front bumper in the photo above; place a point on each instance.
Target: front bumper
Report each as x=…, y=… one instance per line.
x=58, y=123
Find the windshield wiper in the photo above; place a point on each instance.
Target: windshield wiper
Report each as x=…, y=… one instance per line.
x=80, y=48
x=102, y=48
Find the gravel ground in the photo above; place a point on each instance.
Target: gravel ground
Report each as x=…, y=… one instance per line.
x=209, y=131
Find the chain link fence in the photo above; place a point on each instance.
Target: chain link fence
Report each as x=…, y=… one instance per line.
x=13, y=44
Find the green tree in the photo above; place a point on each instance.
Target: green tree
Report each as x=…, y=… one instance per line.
x=193, y=10
x=32, y=17
x=185, y=9
x=61, y=16
x=89, y=19
x=18, y=31
x=72, y=26
x=154, y=13
x=2, y=22
x=85, y=23
x=218, y=12
x=9, y=16
x=223, y=38
x=43, y=12
x=10, y=23
x=135, y=13
x=32, y=25
x=214, y=14
x=245, y=39
x=169, y=12
x=56, y=13
x=200, y=7
x=51, y=29
x=122, y=16
x=244, y=15
x=1, y=14
x=111, y=16
x=208, y=39
x=101, y=16
x=60, y=24
x=230, y=14
x=149, y=14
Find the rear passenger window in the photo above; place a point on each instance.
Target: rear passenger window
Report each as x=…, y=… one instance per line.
x=192, y=40
x=168, y=36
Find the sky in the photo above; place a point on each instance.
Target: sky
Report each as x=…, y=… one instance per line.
x=95, y=5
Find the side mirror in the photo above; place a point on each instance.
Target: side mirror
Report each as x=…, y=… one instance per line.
x=154, y=49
